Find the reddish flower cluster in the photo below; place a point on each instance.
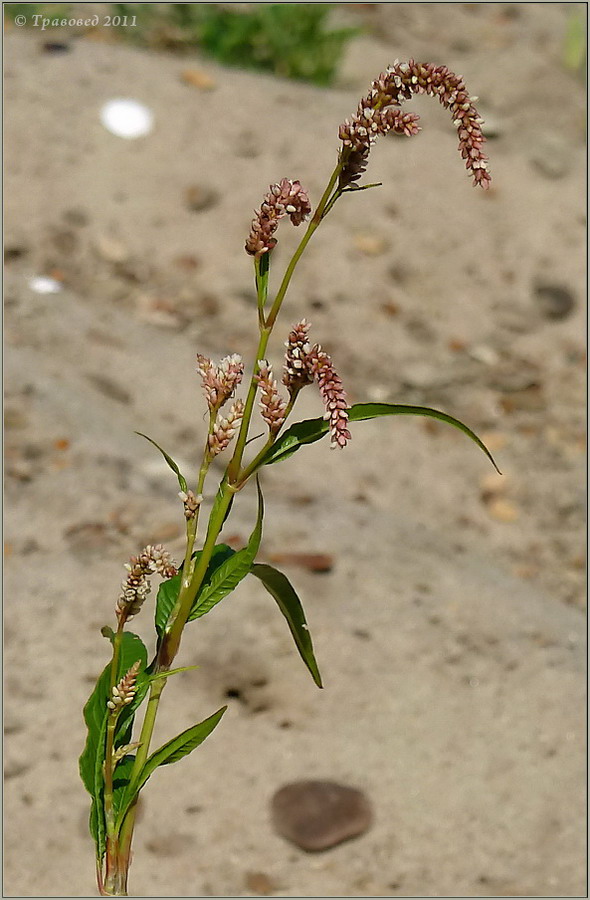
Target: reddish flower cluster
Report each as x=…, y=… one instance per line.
x=225, y=428
x=303, y=365
x=287, y=198
x=333, y=395
x=296, y=373
x=123, y=693
x=378, y=113
x=219, y=382
x=272, y=406
x=136, y=586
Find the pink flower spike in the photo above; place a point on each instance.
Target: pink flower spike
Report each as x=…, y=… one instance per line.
x=333, y=395
x=379, y=112
x=272, y=406
x=287, y=198
x=219, y=382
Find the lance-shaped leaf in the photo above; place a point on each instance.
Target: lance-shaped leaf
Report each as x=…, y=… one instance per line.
x=230, y=573
x=96, y=710
x=311, y=430
x=169, y=589
x=279, y=587
x=180, y=746
x=169, y=460
x=95, y=716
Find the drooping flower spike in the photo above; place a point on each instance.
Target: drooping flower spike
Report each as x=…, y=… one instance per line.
x=333, y=395
x=305, y=364
x=287, y=198
x=379, y=113
x=136, y=586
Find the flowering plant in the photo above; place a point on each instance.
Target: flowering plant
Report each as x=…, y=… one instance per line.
x=114, y=767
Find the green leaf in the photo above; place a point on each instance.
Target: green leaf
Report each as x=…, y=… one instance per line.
x=97, y=826
x=168, y=591
x=169, y=460
x=279, y=587
x=219, y=499
x=312, y=430
x=121, y=779
x=96, y=710
x=95, y=716
x=171, y=752
x=226, y=578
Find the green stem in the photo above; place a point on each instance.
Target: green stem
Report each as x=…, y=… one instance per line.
x=108, y=776
x=110, y=735
x=170, y=642
x=311, y=228
x=266, y=328
x=255, y=463
x=117, y=640
x=236, y=461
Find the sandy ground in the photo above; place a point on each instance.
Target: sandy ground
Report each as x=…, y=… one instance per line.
x=450, y=631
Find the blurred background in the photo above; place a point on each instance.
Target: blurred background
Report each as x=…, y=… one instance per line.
x=446, y=602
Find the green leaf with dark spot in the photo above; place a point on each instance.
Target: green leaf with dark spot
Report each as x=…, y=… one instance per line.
x=279, y=587
x=169, y=460
x=312, y=430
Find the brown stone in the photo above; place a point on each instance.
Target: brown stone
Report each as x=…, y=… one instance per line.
x=317, y=815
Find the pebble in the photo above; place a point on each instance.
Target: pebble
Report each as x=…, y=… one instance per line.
x=370, y=244
x=494, y=440
x=419, y=375
x=42, y=284
x=247, y=145
x=551, y=156
x=492, y=126
x=313, y=562
x=110, y=388
x=14, y=418
x=317, y=815
x=484, y=354
x=111, y=250
x=14, y=252
x=503, y=510
x=491, y=485
x=554, y=301
x=197, y=197
x=198, y=79
x=87, y=537
x=174, y=844
x=260, y=883
x=127, y=118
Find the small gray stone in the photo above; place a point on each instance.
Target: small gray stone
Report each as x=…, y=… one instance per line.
x=551, y=155
x=555, y=302
x=492, y=126
x=317, y=815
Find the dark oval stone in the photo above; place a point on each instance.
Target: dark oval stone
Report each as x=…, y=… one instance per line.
x=555, y=302
x=317, y=815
